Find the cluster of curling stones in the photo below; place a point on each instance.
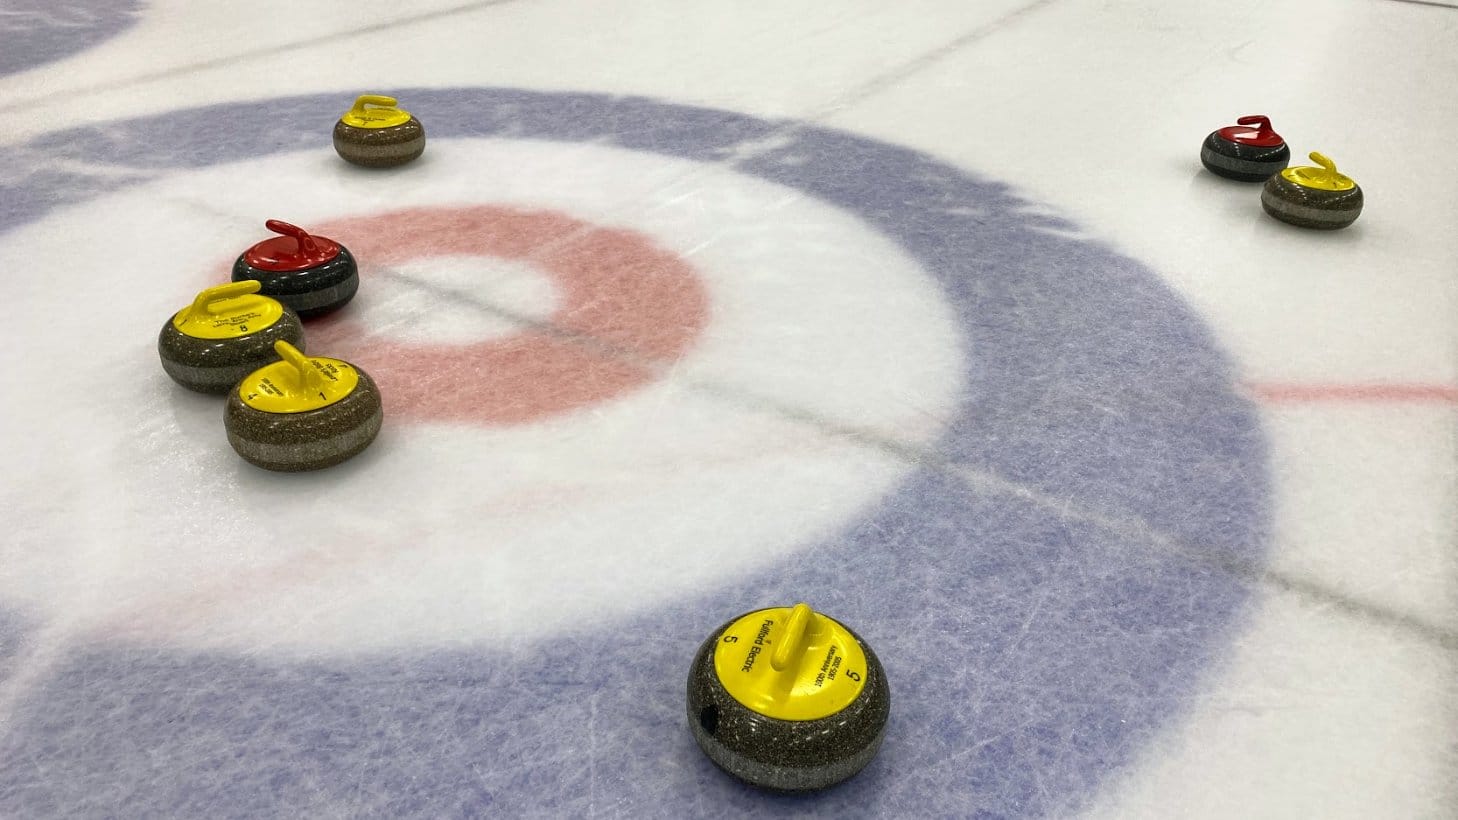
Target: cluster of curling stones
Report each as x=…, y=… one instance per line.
x=1306, y=196
x=286, y=411
x=788, y=699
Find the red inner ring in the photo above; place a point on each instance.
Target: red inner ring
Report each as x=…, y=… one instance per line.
x=627, y=308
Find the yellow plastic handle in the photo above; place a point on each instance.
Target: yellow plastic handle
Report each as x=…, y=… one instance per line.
x=790, y=663
x=375, y=111
x=793, y=643
x=308, y=375
x=1323, y=176
x=377, y=100
x=207, y=301
x=1326, y=164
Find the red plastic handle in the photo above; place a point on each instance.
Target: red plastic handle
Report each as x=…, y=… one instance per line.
x=1262, y=121
x=306, y=242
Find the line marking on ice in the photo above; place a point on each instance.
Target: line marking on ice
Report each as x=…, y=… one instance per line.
x=1394, y=392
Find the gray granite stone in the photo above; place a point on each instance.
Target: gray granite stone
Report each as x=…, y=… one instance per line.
x=785, y=755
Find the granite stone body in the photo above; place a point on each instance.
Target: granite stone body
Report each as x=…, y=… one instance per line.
x=785, y=755
x=310, y=292
x=380, y=147
x=216, y=365
x=1311, y=207
x=311, y=440
x=1247, y=163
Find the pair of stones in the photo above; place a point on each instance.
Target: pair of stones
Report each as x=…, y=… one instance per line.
x=286, y=411
x=788, y=699
x=1306, y=196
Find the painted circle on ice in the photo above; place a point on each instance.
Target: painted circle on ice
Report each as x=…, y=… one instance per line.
x=1031, y=646
x=613, y=417
x=40, y=31
x=627, y=308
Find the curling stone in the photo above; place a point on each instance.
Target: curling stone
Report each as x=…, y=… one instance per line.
x=314, y=275
x=1243, y=153
x=302, y=413
x=225, y=334
x=1313, y=197
x=376, y=134
x=788, y=699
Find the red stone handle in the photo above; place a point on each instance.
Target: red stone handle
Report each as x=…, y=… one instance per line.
x=306, y=242
x=1262, y=122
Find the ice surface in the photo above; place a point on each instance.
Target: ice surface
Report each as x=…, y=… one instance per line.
x=925, y=313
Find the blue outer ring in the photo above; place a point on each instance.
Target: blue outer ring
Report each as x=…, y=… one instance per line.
x=57, y=29
x=1029, y=653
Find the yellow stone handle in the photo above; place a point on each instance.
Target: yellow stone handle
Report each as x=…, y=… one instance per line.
x=1327, y=166
x=206, y=302
x=308, y=375
x=793, y=642
x=375, y=111
x=377, y=100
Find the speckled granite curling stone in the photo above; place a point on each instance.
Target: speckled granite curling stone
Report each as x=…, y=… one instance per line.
x=1246, y=154
x=302, y=413
x=788, y=699
x=1313, y=197
x=376, y=134
x=225, y=334
x=314, y=275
